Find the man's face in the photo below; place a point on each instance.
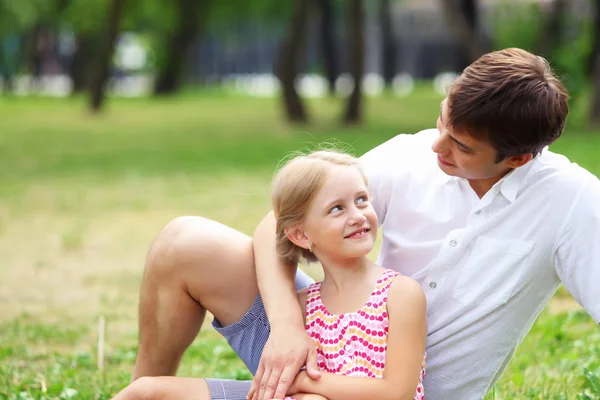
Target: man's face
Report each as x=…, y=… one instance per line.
x=461, y=155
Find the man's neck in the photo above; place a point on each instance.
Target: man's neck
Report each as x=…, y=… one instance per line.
x=482, y=186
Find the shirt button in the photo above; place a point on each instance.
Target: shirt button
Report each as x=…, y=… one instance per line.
x=478, y=212
x=433, y=285
x=453, y=243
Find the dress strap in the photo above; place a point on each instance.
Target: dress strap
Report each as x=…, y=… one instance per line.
x=313, y=297
x=379, y=295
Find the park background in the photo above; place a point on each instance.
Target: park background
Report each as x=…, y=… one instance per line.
x=117, y=116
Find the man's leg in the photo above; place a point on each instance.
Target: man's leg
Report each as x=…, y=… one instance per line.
x=192, y=266
x=165, y=387
x=171, y=387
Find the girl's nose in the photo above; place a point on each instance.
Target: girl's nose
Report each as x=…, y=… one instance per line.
x=357, y=218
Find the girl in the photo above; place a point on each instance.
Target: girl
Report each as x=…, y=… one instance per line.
x=367, y=322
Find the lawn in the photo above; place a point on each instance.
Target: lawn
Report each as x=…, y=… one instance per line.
x=81, y=198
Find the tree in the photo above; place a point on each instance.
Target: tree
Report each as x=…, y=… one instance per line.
x=20, y=23
x=356, y=52
x=81, y=17
x=388, y=41
x=595, y=104
x=79, y=68
x=192, y=16
x=327, y=23
x=463, y=19
x=595, y=51
x=552, y=32
x=287, y=61
x=104, y=56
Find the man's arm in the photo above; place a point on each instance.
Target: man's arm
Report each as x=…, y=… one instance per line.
x=577, y=259
x=288, y=347
x=406, y=346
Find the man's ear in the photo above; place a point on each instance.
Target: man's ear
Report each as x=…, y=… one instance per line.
x=519, y=160
x=297, y=236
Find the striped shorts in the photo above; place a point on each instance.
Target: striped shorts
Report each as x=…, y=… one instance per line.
x=247, y=337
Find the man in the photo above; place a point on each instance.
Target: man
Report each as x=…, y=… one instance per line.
x=478, y=211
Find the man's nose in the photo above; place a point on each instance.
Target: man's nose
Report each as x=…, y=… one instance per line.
x=439, y=145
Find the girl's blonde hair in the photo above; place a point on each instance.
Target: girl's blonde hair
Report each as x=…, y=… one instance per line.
x=293, y=189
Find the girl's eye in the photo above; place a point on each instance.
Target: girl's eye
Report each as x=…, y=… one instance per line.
x=362, y=199
x=335, y=209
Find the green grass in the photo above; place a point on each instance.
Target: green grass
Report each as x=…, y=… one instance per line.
x=82, y=196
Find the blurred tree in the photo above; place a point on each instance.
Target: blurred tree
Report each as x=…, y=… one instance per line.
x=553, y=30
x=356, y=52
x=103, y=60
x=21, y=16
x=595, y=104
x=81, y=61
x=595, y=32
x=327, y=23
x=20, y=25
x=81, y=17
x=192, y=16
x=286, y=64
x=463, y=18
x=388, y=41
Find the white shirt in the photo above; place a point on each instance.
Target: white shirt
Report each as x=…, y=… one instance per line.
x=488, y=266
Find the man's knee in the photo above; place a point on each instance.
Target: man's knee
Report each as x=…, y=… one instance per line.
x=182, y=242
x=144, y=388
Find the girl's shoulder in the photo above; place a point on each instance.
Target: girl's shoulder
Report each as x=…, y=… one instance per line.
x=404, y=286
x=405, y=293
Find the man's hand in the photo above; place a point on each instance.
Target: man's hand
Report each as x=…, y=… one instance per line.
x=283, y=356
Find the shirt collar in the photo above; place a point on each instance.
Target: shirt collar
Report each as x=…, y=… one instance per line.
x=508, y=185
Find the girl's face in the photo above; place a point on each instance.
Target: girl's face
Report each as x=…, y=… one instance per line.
x=340, y=222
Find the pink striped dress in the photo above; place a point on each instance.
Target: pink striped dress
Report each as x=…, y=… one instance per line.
x=353, y=344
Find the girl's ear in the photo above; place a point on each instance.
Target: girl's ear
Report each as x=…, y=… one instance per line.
x=296, y=235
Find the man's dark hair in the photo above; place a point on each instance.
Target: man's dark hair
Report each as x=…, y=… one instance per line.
x=512, y=99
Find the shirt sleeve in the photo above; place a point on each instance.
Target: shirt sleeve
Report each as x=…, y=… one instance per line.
x=577, y=260
x=388, y=166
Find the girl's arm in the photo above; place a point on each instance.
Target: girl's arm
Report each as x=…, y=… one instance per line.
x=306, y=396
x=288, y=347
x=406, y=307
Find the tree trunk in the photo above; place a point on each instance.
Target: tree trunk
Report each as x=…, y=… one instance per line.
x=287, y=62
x=80, y=62
x=388, y=41
x=552, y=32
x=105, y=52
x=356, y=52
x=328, y=43
x=192, y=15
x=463, y=20
x=596, y=39
x=595, y=104
x=80, y=66
x=34, y=47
